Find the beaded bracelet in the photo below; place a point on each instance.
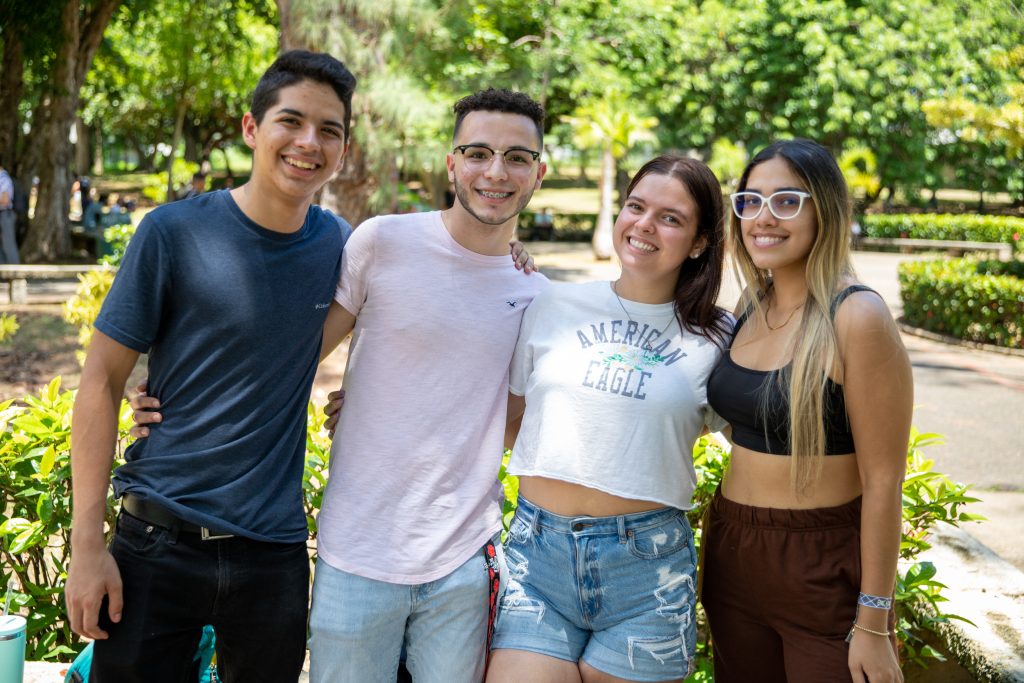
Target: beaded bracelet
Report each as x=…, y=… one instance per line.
x=858, y=627
x=874, y=601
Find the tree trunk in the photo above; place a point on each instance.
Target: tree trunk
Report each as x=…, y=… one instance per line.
x=11, y=88
x=179, y=122
x=48, y=237
x=348, y=193
x=81, y=147
x=97, y=149
x=602, y=242
x=48, y=234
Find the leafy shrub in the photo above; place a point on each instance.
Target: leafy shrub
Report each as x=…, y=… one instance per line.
x=154, y=185
x=928, y=226
x=35, y=514
x=929, y=498
x=965, y=298
x=8, y=326
x=82, y=308
x=569, y=227
x=117, y=237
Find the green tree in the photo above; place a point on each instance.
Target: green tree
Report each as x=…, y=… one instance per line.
x=609, y=124
x=60, y=64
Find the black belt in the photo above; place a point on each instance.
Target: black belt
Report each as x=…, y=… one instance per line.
x=153, y=513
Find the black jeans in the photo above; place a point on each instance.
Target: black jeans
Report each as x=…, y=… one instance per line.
x=255, y=594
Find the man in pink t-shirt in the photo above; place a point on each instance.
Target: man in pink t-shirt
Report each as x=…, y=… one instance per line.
x=413, y=498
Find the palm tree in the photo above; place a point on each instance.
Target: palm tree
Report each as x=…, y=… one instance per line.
x=610, y=124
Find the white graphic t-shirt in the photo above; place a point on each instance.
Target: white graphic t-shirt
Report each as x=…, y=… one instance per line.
x=616, y=394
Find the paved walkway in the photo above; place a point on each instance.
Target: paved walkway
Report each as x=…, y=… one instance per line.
x=975, y=399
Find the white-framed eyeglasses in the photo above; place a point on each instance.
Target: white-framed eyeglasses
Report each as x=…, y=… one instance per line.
x=518, y=158
x=783, y=204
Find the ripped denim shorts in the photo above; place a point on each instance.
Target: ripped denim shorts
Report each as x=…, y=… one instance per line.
x=616, y=592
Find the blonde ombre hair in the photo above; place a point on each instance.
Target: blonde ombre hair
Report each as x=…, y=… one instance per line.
x=815, y=346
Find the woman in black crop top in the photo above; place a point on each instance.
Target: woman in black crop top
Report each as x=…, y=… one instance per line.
x=802, y=540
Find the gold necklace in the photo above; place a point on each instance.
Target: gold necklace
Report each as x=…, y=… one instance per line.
x=623, y=307
x=791, y=314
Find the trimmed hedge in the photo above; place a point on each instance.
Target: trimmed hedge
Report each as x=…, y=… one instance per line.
x=931, y=226
x=569, y=227
x=980, y=301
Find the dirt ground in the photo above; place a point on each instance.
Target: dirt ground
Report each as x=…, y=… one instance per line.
x=46, y=346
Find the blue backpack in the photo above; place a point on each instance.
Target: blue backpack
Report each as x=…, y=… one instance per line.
x=79, y=671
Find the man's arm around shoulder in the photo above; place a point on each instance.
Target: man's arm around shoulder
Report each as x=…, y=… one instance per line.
x=93, y=573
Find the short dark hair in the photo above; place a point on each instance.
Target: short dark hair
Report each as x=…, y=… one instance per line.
x=296, y=66
x=501, y=100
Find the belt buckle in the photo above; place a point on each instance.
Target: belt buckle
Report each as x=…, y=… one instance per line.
x=205, y=534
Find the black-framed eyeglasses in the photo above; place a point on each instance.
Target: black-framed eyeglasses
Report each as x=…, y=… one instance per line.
x=481, y=156
x=783, y=204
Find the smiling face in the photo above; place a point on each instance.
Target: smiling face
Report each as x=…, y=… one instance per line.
x=494, y=194
x=774, y=244
x=300, y=143
x=656, y=231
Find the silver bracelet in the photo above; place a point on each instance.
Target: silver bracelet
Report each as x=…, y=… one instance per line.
x=874, y=601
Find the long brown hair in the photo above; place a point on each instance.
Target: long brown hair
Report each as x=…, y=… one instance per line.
x=700, y=279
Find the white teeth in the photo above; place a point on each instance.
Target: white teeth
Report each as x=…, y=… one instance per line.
x=767, y=240
x=495, y=195
x=300, y=164
x=643, y=246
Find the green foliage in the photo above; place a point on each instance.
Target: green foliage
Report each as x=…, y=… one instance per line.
x=35, y=514
x=727, y=161
x=860, y=168
x=929, y=499
x=8, y=327
x=568, y=227
x=930, y=226
x=82, y=308
x=965, y=298
x=318, y=454
x=154, y=185
x=117, y=238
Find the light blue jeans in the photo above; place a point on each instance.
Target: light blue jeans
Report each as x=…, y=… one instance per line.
x=615, y=592
x=358, y=627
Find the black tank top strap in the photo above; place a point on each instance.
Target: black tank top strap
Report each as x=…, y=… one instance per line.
x=841, y=297
x=750, y=309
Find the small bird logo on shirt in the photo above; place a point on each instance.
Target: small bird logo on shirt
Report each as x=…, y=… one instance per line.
x=512, y=304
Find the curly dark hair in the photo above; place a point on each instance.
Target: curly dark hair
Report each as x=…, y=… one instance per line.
x=501, y=100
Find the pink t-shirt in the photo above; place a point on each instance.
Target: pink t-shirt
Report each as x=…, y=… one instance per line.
x=413, y=489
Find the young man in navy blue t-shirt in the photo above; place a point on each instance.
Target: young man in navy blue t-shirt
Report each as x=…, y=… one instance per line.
x=228, y=294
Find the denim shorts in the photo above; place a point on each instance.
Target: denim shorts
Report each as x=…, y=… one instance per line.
x=615, y=592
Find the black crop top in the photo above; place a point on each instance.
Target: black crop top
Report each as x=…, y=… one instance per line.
x=735, y=393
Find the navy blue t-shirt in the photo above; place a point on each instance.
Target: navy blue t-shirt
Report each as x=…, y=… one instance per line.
x=231, y=315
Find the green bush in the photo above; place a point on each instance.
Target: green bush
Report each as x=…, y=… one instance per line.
x=35, y=514
x=8, y=327
x=930, y=226
x=980, y=301
x=569, y=227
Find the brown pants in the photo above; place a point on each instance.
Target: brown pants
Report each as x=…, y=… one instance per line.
x=780, y=591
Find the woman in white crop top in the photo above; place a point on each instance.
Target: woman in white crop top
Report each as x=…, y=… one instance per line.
x=613, y=376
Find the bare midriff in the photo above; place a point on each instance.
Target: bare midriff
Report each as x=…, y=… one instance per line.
x=762, y=480
x=575, y=500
